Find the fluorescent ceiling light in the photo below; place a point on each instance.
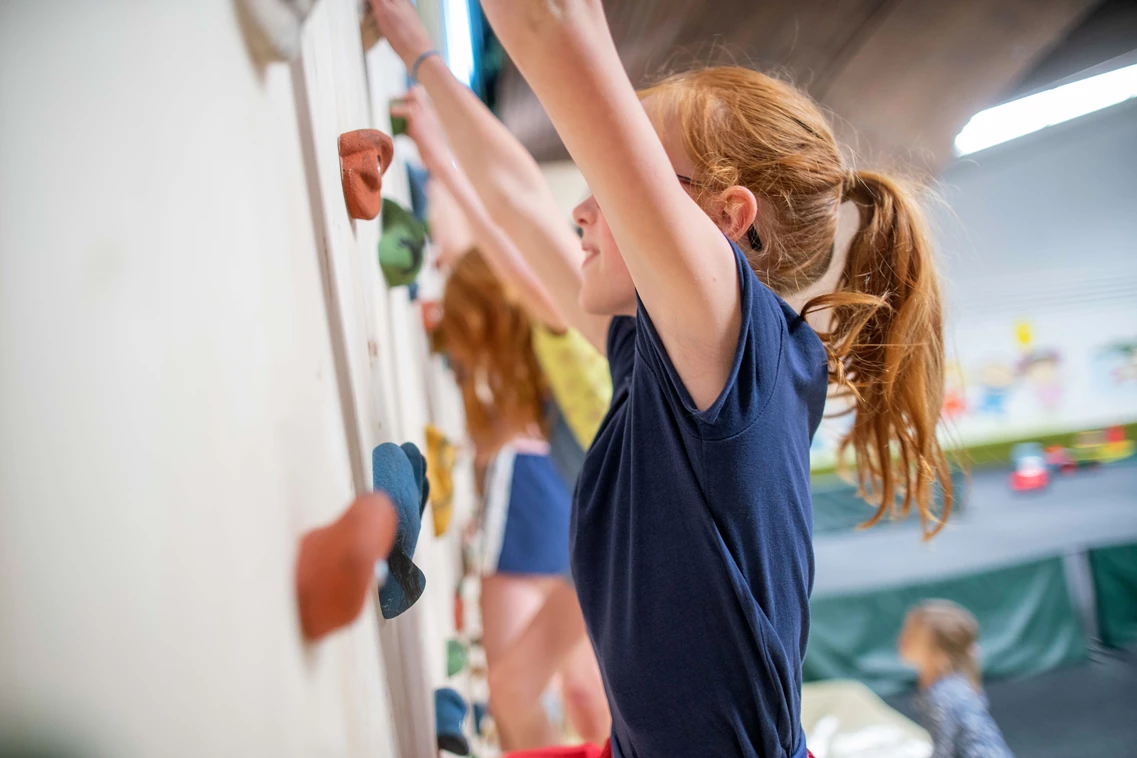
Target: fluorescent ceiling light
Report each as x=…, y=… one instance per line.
x=1029, y=114
x=459, y=41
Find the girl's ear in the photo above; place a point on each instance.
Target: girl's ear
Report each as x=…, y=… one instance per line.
x=736, y=212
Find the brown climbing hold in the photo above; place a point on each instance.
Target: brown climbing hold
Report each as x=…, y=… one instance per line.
x=336, y=564
x=365, y=155
x=368, y=28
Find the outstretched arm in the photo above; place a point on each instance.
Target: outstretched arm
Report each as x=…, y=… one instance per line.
x=502, y=172
x=500, y=252
x=682, y=266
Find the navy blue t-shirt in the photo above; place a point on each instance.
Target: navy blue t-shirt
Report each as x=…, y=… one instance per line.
x=691, y=539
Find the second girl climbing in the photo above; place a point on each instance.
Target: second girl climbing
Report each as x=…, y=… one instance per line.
x=535, y=393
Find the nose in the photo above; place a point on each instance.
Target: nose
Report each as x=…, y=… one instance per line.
x=585, y=213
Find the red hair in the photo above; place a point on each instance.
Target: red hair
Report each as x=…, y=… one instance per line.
x=488, y=341
x=885, y=336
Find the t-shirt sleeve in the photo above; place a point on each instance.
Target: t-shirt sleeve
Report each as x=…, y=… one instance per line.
x=621, y=348
x=754, y=369
x=579, y=379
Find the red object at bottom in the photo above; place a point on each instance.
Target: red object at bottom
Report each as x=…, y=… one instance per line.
x=576, y=751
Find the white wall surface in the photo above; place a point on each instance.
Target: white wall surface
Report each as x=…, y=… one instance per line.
x=171, y=416
x=1037, y=243
x=1044, y=234
x=567, y=184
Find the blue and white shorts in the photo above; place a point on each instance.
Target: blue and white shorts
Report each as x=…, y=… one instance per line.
x=527, y=508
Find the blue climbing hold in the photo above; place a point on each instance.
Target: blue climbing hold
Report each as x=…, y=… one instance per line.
x=401, y=473
x=449, y=713
x=479, y=717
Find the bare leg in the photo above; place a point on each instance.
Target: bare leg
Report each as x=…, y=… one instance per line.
x=586, y=703
x=509, y=604
x=547, y=646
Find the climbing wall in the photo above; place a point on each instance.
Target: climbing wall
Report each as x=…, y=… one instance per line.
x=199, y=355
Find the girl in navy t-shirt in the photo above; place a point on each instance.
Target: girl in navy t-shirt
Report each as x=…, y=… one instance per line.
x=716, y=194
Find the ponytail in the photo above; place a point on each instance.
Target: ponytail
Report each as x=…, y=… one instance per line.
x=886, y=353
x=740, y=127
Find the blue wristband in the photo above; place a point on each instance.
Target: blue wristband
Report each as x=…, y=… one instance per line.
x=419, y=61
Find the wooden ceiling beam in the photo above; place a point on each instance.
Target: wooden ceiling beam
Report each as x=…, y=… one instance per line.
x=901, y=76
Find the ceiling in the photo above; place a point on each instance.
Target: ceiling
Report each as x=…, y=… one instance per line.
x=901, y=77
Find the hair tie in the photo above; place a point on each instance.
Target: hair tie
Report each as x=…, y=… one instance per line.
x=419, y=61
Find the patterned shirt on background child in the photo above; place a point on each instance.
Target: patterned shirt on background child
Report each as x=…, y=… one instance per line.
x=955, y=714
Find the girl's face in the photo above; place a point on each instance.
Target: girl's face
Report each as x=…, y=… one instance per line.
x=915, y=645
x=606, y=286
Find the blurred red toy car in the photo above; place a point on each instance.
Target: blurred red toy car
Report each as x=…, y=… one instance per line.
x=1030, y=467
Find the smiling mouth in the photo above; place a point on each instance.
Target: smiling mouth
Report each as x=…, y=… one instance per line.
x=589, y=256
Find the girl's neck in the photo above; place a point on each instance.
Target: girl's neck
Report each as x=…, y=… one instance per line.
x=929, y=675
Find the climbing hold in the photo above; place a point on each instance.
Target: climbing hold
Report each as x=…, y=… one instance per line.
x=417, y=178
x=401, y=244
x=274, y=26
x=476, y=660
x=336, y=563
x=455, y=657
x=440, y=457
x=449, y=713
x=365, y=155
x=400, y=472
x=369, y=33
x=398, y=123
x=471, y=556
x=480, y=711
x=431, y=315
x=459, y=610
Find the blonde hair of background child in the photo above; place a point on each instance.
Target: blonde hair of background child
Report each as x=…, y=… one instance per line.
x=953, y=631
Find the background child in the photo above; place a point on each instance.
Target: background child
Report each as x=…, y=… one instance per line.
x=939, y=639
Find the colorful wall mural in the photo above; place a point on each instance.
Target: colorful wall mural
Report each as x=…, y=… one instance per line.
x=1012, y=378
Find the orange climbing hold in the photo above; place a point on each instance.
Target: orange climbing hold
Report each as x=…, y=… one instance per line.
x=336, y=564
x=365, y=155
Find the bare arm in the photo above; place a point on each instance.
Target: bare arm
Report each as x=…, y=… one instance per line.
x=499, y=250
x=682, y=266
x=502, y=172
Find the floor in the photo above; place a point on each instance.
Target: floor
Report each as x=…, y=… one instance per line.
x=1082, y=711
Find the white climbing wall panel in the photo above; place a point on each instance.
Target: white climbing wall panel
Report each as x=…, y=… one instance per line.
x=424, y=392
x=379, y=359
x=197, y=355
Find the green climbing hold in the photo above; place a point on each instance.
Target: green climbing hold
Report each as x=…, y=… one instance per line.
x=455, y=657
x=398, y=123
x=401, y=244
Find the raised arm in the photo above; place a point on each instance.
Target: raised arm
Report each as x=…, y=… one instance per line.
x=682, y=265
x=500, y=252
x=504, y=175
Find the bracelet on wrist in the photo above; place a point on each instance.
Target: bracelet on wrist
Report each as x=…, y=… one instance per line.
x=413, y=71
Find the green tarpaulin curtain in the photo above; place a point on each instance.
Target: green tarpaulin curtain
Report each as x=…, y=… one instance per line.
x=1115, y=588
x=1028, y=624
x=837, y=508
